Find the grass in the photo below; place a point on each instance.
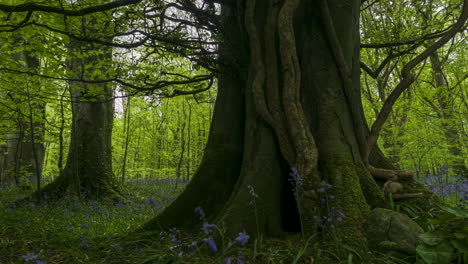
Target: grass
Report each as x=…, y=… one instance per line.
x=74, y=231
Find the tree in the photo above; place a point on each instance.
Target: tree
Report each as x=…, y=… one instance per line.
x=88, y=170
x=288, y=102
x=25, y=142
x=444, y=107
x=289, y=99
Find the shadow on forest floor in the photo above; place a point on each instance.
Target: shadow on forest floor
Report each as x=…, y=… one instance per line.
x=74, y=231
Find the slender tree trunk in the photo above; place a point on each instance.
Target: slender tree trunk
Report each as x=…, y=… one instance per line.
x=446, y=114
x=26, y=145
x=182, y=152
x=127, y=137
x=189, y=139
x=61, y=138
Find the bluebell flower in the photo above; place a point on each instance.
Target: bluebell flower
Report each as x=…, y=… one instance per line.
x=325, y=184
x=208, y=228
x=29, y=257
x=200, y=212
x=242, y=239
x=211, y=244
x=252, y=191
x=295, y=180
x=117, y=246
x=193, y=245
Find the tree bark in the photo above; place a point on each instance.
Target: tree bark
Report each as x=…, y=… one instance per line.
x=220, y=166
x=288, y=108
x=88, y=170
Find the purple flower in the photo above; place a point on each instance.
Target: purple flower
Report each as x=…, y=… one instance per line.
x=211, y=244
x=200, y=212
x=193, y=245
x=321, y=190
x=252, y=191
x=325, y=184
x=208, y=228
x=242, y=239
x=295, y=180
x=29, y=257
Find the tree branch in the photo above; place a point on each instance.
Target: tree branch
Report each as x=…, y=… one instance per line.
x=408, y=77
x=31, y=7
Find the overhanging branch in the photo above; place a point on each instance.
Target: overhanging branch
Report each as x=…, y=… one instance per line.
x=31, y=7
x=408, y=77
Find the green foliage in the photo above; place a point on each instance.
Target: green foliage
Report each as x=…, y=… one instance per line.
x=449, y=241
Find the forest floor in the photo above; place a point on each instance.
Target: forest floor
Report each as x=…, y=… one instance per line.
x=74, y=231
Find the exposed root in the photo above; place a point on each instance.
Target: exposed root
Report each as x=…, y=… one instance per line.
x=396, y=189
x=390, y=175
x=401, y=196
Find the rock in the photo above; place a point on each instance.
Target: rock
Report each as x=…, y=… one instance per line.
x=388, y=231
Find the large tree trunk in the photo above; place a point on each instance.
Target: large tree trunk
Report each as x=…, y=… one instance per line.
x=219, y=169
x=283, y=128
x=88, y=170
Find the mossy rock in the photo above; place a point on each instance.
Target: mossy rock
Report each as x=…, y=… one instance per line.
x=388, y=231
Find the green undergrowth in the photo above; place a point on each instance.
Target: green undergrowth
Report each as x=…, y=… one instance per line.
x=75, y=231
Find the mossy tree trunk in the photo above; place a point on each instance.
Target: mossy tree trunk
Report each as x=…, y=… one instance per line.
x=88, y=169
x=282, y=104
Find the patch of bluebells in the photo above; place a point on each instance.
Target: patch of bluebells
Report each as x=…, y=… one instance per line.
x=31, y=258
x=208, y=229
x=333, y=216
x=296, y=181
x=450, y=187
x=84, y=241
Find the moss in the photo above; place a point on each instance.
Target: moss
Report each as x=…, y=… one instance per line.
x=343, y=174
x=373, y=193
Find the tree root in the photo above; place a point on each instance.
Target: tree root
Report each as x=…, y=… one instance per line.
x=396, y=188
x=390, y=175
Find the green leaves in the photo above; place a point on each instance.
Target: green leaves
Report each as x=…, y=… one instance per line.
x=439, y=254
x=431, y=239
x=455, y=211
x=449, y=241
